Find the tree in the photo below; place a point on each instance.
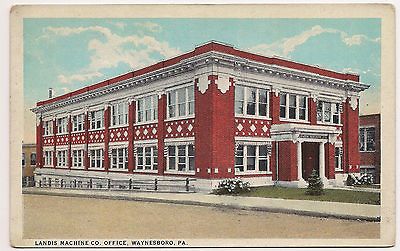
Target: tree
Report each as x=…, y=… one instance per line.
x=315, y=185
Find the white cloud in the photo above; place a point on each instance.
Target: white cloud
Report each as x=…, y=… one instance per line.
x=152, y=27
x=132, y=50
x=286, y=46
x=120, y=25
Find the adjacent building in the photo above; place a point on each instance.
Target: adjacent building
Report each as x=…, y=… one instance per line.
x=215, y=112
x=370, y=145
x=28, y=164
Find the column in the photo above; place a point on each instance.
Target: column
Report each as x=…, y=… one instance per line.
x=69, y=157
x=274, y=106
x=86, y=150
x=39, y=140
x=162, y=114
x=131, y=121
x=106, y=136
x=301, y=181
x=55, y=142
x=312, y=110
x=322, y=163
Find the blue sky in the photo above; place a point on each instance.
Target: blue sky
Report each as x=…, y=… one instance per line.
x=67, y=54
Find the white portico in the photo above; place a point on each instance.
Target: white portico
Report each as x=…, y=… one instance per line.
x=314, y=147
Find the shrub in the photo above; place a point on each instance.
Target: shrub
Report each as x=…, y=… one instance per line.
x=232, y=186
x=315, y=185
x=365, y=179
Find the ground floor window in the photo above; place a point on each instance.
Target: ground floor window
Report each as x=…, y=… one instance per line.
x=180, y=158
x=48, y=158
x=62, y=158
x=77, y=158
x=119, y=158
x=96, y=158
x=146, y=158
x=338, y=159
x=252, y=158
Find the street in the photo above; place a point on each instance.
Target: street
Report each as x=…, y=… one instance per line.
x=48, y=217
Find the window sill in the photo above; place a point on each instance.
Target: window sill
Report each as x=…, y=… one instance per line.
x=252, y=117
x=180, y=172
x=48, y=135
x=96, y=129
x=146, y=123
x=253, y=172
x=328, y=123
x=179, y=118
x=62, y=167
x=77, y=167
x=294, y=120
x=78, y=131
x=118, y=126
x=96, y=169
x=368, y=151
x=145, y=171
x=62, y=134
x=48, y=166
x=118, y=170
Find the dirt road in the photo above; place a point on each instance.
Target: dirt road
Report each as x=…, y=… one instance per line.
x=65, y=217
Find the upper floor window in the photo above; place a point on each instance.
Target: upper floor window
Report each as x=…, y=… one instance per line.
x=77, y=123
x=328, y=112
x=96, y=119
x=33, y=159
x=62, y=125
x=119, y=113
x=252, y=158
x=48, y=127
x=293, y=106
x=251, y=101
x=147, y=109
x=367, y=139
x=181, y=102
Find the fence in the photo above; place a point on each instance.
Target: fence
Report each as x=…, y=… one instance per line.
x=162, y=185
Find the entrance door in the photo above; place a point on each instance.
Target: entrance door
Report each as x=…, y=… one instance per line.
x=310, y=158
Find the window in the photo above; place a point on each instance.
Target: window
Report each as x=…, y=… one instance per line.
x=328, y=112
x=251, y=101
x=62, y=158
x=77, y=123
x=252, y=158
x=33, y=159
x=97, y=158
x=147, y=109
x=48, y=158
x=62, y=125
x=96, y=119
x=367, y=139
x=146, y=158
x=77, y=158
x=293, y=106
x=181, y=158
x=48, y=127
x=119, y=158
x=338, y=158
x=23, y=159
x=181, y=102
x=119, y=114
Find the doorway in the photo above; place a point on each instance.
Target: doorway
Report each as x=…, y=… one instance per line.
x=310, y=158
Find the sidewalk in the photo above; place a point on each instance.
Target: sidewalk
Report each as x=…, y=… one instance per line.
x=349, y=211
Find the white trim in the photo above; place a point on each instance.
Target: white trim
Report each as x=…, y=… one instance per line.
x=145, y=142
x=180, y=172
x=96, y=107
x=179, y=118
x=171, y=141
x=95, y=146
x=254, y=139
x=62, y=147
x=48, y=148
x=112, y=145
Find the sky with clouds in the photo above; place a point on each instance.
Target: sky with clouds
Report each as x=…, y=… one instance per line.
x=67, y=54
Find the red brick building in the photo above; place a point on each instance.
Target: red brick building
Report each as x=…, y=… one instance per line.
x=215, y=112
x=370, y=145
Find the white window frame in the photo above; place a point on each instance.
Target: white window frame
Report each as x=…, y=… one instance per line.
x=116, y=116
x=141, y=115
x=339, y=159
x=62, y=158
x=62, y=125
x=257, y=161
x=331, y=104
x=364, y=131
x=48, y=128
x=153, y=156
x=78, y=159
x=297, y=114
x=188, y=103
x=116, y=154
x=48, y=158
x=176, y=156
x=78, y=122
x=96, y=157
x=257, y=102
x=93, y=119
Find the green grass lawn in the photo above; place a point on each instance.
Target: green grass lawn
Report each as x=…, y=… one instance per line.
x=335, y=195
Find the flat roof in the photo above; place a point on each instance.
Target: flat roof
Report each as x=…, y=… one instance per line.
x=204, y=48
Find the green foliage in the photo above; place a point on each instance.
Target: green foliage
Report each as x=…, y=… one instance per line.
x=232, y=186
x=315, y=185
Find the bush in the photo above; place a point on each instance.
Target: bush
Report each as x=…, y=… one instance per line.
x=232, y=186
x=315, y=185
x=365, y=179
